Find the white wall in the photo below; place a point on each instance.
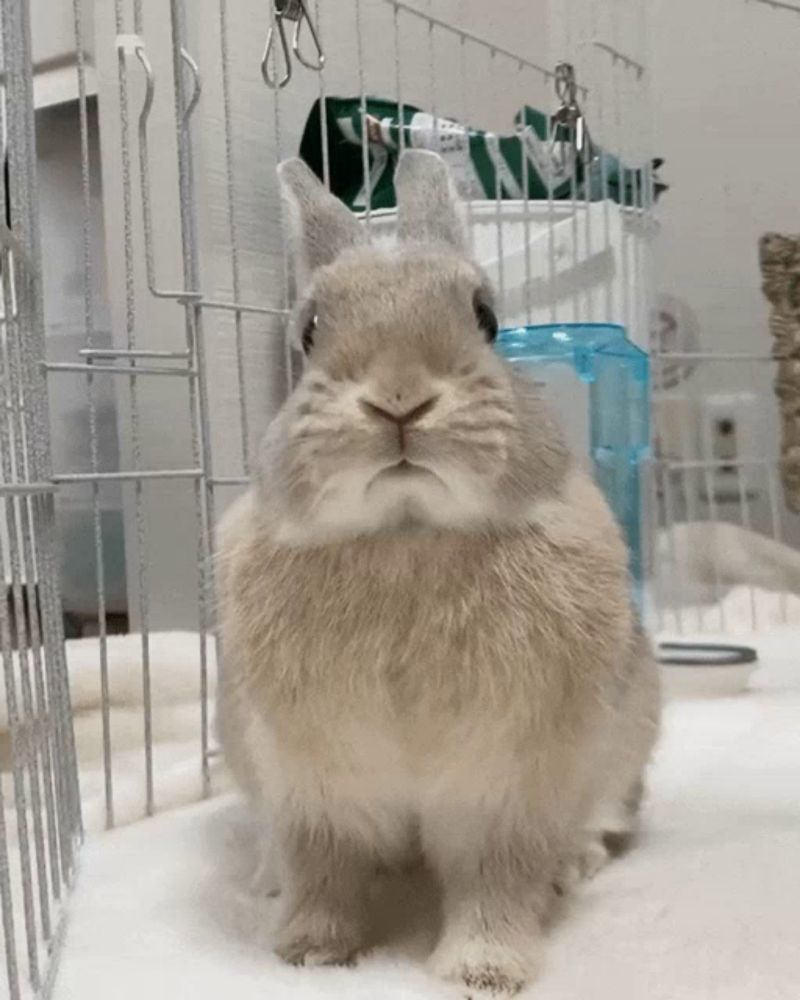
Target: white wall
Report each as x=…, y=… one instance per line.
x=54, y=50
x=727, y=102
x=726, y=82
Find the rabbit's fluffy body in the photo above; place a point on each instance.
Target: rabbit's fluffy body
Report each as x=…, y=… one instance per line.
x=428, y=639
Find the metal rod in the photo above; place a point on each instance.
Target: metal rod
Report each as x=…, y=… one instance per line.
x=233, y=230
x=780, y=5
x=7, y=907
x=88, y=312
x=130, y=342
x=551, y=227
x=23, y=582
x=548, y=74
x=620, y=56
x=398, y=77
x=573, y=197
x=121, y=352
x=669, y=516
x=362, y=105
x=26, y=489
x=43, y=739
x=144, y=169
x=713, y=463
x=323, y=110
x=198, y=393
x=231, y=481
x=666, y=356
x=654, y=570
x=463, y=77
x=589, y=310
x=288, y=359
x=243, y=307
x=20, y=747
x=126, y=477
x=24, y=454
x=70, y=366
x=747, y=523
x=493, y=143
x=55, y=790
x=191, y=104
x=619, y=118
x=776, y=524
x=714, y=519
x=432, y=84
x=604, y=192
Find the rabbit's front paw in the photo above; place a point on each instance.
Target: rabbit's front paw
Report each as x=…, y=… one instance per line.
x=584, y=864
x=483, y=968
x=319, y=939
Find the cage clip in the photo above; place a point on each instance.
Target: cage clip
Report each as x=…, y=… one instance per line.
x=296, y=11
x=569, y=117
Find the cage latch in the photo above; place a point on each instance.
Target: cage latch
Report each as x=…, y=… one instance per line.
x=296, y=11
x=568, y=119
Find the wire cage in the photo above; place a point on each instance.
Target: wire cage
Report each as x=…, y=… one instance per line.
x=144, y=344
x=40, y=821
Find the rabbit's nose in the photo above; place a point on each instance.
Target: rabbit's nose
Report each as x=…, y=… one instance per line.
x=401, y=419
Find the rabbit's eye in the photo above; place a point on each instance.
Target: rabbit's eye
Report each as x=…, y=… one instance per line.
x=307, y=337
x=487, y=321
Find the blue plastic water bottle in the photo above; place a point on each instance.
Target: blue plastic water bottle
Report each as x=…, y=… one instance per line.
x=616, y=374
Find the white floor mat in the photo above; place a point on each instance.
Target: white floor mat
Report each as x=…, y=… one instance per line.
x=707, y=907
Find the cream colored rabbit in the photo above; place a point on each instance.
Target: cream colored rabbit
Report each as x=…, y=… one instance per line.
x=427, y=633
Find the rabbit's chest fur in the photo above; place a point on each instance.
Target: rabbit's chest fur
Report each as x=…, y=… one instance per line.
x=525, y=626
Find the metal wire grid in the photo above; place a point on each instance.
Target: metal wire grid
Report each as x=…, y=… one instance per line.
x=685, y=490
x=40, y=822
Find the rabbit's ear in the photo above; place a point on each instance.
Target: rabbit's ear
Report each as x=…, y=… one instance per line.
x=320, y=225
x=427, y=201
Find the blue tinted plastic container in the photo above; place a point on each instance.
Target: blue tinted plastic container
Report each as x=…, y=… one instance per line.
x=616, y=375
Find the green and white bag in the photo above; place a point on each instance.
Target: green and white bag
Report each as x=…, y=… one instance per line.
x=484, y=165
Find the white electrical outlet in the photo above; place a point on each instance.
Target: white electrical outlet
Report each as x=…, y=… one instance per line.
x=728, y=435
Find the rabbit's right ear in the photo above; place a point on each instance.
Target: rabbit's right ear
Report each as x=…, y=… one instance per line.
x=428, y=206
x=321, y=226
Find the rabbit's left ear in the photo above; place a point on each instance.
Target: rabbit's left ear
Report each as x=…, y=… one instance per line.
x=428, y=206
x=321, y=226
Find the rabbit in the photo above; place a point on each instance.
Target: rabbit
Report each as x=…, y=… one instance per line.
x=429, y=644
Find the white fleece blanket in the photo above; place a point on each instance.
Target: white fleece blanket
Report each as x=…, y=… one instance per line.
x=175, y=699
x=707, y=908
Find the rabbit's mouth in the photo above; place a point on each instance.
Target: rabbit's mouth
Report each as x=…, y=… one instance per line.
x=405, y=468
x=405, y=471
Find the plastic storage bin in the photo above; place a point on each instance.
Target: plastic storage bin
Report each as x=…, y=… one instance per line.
x=599, y=384
x=558, y=259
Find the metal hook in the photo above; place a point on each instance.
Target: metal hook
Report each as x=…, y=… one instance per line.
x=318, y=61
x=290, y=10
x=144, y=168
x=198, y=86
x=569, y=116
x=566, y=87
x=150, y=86
x=270, y=80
